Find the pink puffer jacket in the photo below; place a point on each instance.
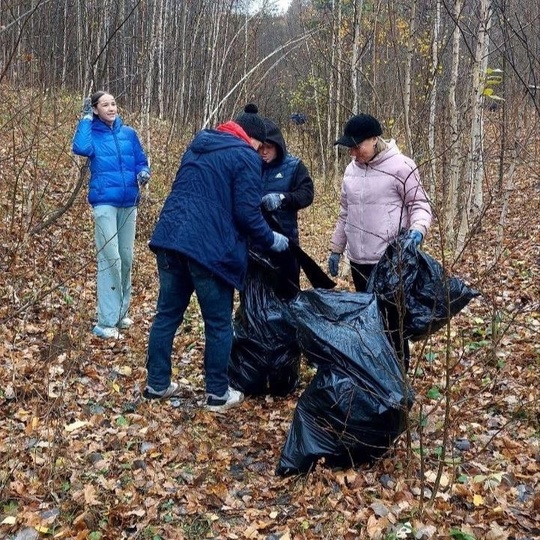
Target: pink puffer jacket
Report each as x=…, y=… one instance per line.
x=377, y=200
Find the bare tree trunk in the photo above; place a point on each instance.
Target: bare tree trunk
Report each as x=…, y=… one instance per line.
x=407, y=78
x=338, y=62
x=510, y=181
x=153, y=59
x=433, y=101
x=451, y=202
x=83, y=173
x=320, y=132
x=215, y=29
x=65, y=45
x=333, y=68
x=475, y=187
x=355, y=57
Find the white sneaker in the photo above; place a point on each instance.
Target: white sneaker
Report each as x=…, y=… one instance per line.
x=125, y=323
x=173, y=390
x=232, y=398
x=106, y=332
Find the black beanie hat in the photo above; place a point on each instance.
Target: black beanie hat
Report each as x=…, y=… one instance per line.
x=252, y=123
x=358, y=129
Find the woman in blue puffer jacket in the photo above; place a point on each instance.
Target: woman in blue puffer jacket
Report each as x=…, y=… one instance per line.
x=118, y=169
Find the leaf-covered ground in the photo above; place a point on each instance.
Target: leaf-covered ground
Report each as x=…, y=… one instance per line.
x=82, y=456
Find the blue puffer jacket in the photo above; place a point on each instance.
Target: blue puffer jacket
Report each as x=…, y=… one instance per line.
x=287, y=175
x=116, y=158
x=214, y=206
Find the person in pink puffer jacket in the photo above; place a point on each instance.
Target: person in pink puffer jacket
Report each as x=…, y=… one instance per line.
x=381, y=194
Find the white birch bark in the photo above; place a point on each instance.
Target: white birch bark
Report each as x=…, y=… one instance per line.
x=433, y=101
x=337, y=89
x=474, y=189
x=407, y=78
x=355, y=57
x=156, y=21
x=332, y=81
x=451, y=203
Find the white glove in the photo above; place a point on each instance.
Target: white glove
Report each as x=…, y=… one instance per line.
x=281, y=243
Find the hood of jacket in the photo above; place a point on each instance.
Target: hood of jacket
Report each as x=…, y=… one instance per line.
x=274, y=135
x=211, y=140
x=234, y=129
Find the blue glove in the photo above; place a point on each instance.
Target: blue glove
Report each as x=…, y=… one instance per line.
x=143, y=178
x=87, y=110
x=281, y=243
x=414, y=238
x=333, y=263
x=272, y=201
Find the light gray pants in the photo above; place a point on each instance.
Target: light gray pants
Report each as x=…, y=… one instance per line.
x=115, y=238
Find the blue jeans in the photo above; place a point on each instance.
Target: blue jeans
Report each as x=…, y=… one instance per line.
x=115, y=238
x=179, y=277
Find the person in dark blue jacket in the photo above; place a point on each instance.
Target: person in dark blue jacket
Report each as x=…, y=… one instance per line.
x=287, y=188
x=201, y=245
x=118, y=168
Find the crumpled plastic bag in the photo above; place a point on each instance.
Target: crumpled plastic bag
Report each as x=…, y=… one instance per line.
x=412, y=282
x=265, y=355
x=356, y=405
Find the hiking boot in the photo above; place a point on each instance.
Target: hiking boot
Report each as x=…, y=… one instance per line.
x=230, y=399
x=106, y=332
x=125, y=323
x=172, y=391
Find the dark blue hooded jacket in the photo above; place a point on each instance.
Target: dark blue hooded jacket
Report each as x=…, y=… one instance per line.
x=116, y=158
x=214, y=205
x=289, y=176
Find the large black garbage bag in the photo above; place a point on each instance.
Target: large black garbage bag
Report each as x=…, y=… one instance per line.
x=356, y=405
x=412, y=282
x=265, y=356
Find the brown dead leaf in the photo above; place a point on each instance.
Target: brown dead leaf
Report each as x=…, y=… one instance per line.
x=496, y=532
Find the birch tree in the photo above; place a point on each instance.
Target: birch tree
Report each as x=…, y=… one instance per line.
x=474, y=190
x=434, y=76
x=156, y=34
x=407, y=78
x=454, y=132
x=355, y=56
x=334, y=91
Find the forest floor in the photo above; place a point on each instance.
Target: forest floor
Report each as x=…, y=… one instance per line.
x=83, y=456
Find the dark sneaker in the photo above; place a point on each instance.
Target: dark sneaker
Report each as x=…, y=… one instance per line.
x=172, y=391
x=231, y=399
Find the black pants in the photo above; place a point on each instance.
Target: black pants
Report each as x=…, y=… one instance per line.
x=393, y=320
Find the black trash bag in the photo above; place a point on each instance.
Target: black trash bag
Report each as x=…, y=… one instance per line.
x=356, y=405
x=409, y=281
x=265, y=355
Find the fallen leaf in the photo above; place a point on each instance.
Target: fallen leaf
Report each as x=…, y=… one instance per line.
x=75, y=425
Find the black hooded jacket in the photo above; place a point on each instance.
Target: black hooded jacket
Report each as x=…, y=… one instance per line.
x=288, y=176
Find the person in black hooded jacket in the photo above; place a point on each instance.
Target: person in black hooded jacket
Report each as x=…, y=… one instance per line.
x=287, y=188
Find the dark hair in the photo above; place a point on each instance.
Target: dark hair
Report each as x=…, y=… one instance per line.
x=94, y=98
